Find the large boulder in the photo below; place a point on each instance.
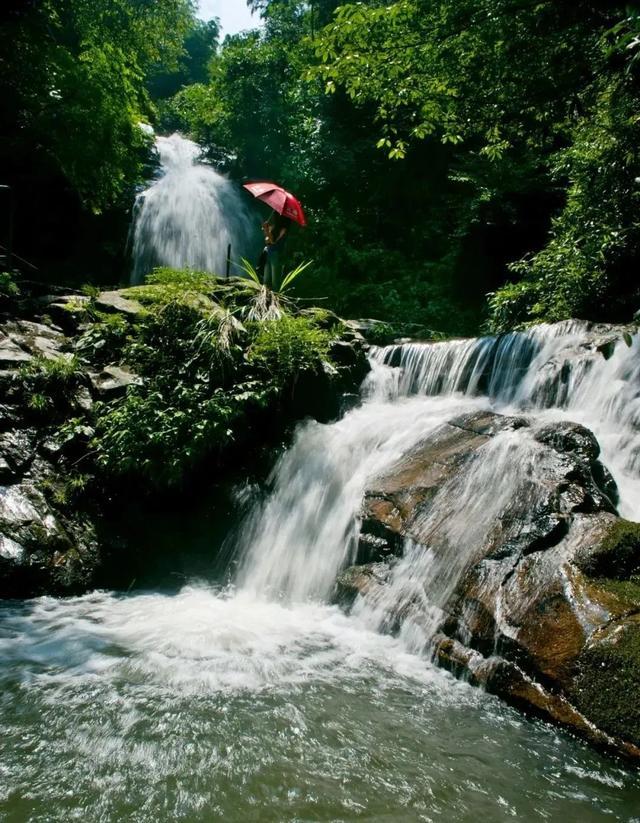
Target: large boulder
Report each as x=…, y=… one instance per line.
x=529, y=571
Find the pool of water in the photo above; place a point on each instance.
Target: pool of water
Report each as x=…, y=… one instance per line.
x=202, y=704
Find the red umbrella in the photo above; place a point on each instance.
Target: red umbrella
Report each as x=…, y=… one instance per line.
x=279, y=199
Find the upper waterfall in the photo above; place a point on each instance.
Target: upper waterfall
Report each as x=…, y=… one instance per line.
x=189, y=215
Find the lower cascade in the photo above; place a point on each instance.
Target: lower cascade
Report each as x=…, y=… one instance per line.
x=463, y=515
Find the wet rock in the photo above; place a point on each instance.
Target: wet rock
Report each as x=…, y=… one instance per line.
x=572, y=438
x=360, y=580
x=508, y=681
x=9, y=416
x=67, y=310
x=7, y=473
x=17, y=448
x=398, y=502
x=82, y=400
x=615, y=554
x=10, y=551
x=115, y=302
x=72, y=442
x=607, y=679
x=25, y=516
x=344, y=354
x=41, y=550
x=373, y=331
x=545, y=607
x=113, y=381
x=11, y=355
x=37, y=339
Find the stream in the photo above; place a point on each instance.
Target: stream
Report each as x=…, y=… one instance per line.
x=252, y=697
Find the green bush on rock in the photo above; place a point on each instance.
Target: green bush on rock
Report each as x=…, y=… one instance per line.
x=205, y=375
x=284, y=347
x=47, y=383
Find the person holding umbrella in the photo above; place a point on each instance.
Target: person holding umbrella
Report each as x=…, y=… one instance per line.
x=286, y=209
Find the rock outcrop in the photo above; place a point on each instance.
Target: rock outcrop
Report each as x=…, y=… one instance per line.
x=542, y=603
x=44, y=544
x=57, y=368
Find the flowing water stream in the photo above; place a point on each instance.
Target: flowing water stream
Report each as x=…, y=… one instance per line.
x=259, y=700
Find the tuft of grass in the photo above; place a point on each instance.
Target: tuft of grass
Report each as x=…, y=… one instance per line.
x=47, y=384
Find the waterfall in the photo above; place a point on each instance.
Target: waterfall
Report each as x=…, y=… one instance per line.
x=297, y=541
x=261, y=698
x=551, y=371
x=189, y=215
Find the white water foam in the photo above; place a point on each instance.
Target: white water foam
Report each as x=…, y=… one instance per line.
x=189, y=215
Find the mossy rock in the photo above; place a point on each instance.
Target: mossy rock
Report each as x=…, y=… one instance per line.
x=617, y=555
x=607, y=682
x=627, y=592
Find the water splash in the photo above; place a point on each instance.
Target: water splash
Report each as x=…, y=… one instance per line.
x=307, y=530
x=502, y=481
x=189, y=215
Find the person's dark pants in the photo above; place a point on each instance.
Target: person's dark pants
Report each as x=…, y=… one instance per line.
x=273, y=268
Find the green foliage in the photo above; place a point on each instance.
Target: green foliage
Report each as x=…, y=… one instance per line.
x=74, y=86
x=588, y=267
x=200, y=44
x=8, y=286
x=543, y=90
x=38, y=403
x=47, y=384
x=162, y=434
x=52, y=374
x=263, y=302
x=105, y=339
x=204, y=374
x=511, y=305
x=67, y=491
x=287, y=346
x=442, y=150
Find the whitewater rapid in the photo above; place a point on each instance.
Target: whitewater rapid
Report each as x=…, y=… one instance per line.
x=255, y=697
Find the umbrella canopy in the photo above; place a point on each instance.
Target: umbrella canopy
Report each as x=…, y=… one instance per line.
x=279, y=199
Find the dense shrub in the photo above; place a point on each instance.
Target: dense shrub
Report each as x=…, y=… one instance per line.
x=205, y=376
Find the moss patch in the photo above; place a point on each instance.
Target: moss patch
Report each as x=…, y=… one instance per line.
x=618, y=554
x=608, y=682
x=627, y=591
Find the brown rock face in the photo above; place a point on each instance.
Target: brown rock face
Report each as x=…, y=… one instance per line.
x=535, y=583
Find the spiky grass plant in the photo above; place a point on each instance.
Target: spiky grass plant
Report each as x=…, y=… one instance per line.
x=265, y=303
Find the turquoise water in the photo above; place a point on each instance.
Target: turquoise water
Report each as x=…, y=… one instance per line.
x=201, y=705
